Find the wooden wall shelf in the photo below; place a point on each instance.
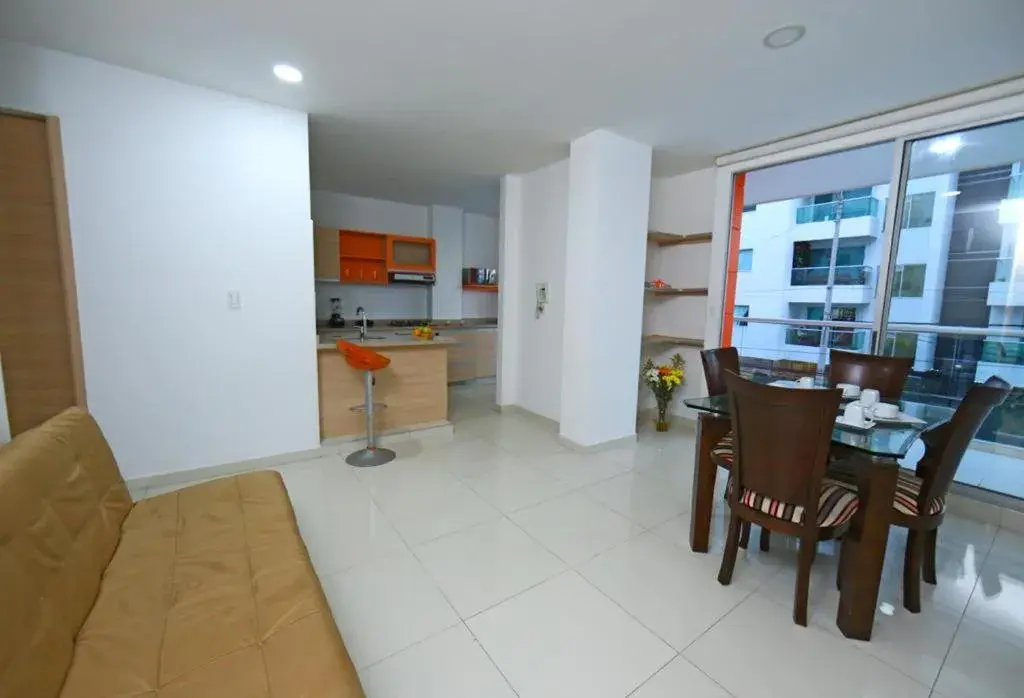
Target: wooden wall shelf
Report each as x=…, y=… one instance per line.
x=493, y=288
x=677, y=291
x=670, y=339
x=670, y=239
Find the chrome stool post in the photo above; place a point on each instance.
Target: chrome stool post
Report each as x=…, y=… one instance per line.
x=370, y=455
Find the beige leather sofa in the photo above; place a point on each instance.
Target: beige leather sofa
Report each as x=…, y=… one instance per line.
x=203, y=593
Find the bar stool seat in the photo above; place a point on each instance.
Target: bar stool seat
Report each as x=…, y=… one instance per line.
x=367, y=361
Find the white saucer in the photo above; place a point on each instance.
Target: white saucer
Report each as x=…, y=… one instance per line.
x=901, y=418
x=841, y=421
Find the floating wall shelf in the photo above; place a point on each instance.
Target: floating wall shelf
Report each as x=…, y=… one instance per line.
x=668, y=239
x=669, y=339
x=493, y=288
x=677, y=291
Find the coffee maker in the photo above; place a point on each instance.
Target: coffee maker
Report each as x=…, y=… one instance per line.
x=336, y=320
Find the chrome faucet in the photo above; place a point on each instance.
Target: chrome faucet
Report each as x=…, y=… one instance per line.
x=361, y=320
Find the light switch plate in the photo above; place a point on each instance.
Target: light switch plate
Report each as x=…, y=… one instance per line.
x=234, y=300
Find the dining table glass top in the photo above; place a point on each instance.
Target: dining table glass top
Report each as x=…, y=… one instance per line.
x=883, y=440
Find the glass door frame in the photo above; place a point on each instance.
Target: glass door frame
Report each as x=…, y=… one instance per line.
x=881, y=327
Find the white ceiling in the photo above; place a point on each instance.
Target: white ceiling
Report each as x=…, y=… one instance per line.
x=432, y=101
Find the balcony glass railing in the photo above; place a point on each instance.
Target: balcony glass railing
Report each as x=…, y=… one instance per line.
x=852, y=340
x=1004, y=269
x=846, y=275
x=1016, y=187
x=852, y=208
x=1003, y=351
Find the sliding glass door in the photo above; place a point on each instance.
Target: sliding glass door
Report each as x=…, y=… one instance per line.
x=955, y=301
x=814, y=266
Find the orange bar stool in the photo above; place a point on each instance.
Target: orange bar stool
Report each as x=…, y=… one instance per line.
x=367, y=361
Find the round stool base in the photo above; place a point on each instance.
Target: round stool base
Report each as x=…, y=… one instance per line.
x=368, y=457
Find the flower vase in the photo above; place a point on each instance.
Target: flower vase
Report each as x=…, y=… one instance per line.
x=661, y=424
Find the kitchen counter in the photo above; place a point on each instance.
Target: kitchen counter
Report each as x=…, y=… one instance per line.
x=389, y=340
x=413, y=387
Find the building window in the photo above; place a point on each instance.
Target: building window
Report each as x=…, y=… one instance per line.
x=908, y=281
x=740, y=311
x=917, y=212
x=745, y=260
x=902, y=344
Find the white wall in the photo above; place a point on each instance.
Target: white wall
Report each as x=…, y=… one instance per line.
x=360, y=213
x=177, y=195
x=682, y=204
x=609, y=207
x=446, y=228
x=536, y=247
x=479, y=249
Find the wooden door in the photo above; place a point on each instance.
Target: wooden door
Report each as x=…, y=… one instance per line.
x=39, y=343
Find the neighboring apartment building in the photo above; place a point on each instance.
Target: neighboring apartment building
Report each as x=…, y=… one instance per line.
x=955, y=265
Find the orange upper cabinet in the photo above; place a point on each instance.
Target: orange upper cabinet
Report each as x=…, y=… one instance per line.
x=356, y=244
x=407, y=253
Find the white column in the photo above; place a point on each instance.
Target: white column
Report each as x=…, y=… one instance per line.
x=606, y=244
x=510, y=291
x=446, y=229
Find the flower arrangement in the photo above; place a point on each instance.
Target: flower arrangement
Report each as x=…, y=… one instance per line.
x=663, y=381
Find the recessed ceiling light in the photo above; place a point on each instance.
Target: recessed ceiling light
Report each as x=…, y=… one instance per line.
x=287, y=73
x=785, y=36
x=950, y=145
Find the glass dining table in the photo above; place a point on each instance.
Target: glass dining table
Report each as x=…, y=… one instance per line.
x=869, y=454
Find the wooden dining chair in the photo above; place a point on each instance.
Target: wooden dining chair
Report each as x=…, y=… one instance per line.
x=886, y=374
x=717, y=363
x=782, y=439
x=920, y=501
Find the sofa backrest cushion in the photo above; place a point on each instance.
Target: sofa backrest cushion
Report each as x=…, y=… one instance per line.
x=62, y=501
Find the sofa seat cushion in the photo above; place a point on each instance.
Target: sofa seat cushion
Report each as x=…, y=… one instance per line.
x=211, y=593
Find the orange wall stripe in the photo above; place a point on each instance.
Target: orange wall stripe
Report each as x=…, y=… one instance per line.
x=731, y=269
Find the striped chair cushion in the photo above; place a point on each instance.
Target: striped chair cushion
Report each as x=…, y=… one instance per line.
x=723, y=449
x=836, y=505
x=908, y=489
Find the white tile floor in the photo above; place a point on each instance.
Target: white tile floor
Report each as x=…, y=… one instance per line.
x=502, y=565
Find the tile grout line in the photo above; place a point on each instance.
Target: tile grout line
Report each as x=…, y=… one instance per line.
x=451, y=605
x=963, y=614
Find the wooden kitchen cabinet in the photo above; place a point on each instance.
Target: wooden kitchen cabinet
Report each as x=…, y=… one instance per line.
x=473, y=356
x=373, y=273
x=326, y=253
x=351, y=271
x=357, y=244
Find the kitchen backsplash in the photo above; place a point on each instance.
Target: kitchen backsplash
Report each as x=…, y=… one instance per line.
x=386, y=302
x=379, y=301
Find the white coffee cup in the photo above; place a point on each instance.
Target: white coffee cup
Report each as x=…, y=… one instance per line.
x=856, y=415
x=849, y=389
x=805, y=382
x=886, y=410
x=869, y=397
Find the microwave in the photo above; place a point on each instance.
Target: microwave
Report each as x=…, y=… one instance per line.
x=479, y=276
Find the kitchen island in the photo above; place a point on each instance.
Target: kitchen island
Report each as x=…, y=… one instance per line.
x=414, y=387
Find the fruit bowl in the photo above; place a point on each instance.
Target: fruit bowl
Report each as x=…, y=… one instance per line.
x=423, y=332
